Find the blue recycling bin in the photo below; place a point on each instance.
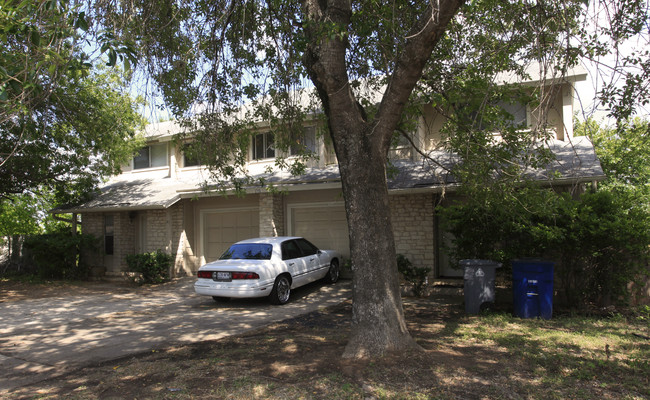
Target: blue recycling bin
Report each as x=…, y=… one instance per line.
x=532, y=287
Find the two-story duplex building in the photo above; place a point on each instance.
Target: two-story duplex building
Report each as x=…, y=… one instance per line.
x=158, y=202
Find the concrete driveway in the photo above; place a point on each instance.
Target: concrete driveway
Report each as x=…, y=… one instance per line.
x=42, y=338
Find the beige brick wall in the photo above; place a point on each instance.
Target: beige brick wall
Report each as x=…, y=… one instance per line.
x=156, y=233
x=124, y=240
x=93, y=224
x=271, y=214
x=180, y=246
x=412, y=219
x=165, y=232
x=413, y=226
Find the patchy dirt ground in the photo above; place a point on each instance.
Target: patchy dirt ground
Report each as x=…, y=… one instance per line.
x=492, y=356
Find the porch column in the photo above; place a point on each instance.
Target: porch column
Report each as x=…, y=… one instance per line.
x=271, y=214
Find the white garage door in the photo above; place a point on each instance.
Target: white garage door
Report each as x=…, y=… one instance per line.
x=223, y=228
x=325, y=226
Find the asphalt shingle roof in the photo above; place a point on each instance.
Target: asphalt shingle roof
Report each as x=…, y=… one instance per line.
x=576, y=161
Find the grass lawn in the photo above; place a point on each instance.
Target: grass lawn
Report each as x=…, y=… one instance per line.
x=491, y=356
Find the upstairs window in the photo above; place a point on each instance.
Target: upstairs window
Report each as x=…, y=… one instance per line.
x=494, y=115
x=189, y=159
x=151, y=156
x=401, y=147
x=263, y=146
x=305, y=143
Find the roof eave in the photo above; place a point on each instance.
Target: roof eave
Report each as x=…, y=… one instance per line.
x=118, y=208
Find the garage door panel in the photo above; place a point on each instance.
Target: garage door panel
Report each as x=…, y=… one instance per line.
x=223, y=228
x=242, y=220
x=228, y=220
x=324, y=226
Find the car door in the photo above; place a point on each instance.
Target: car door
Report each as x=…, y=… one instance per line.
x=311, y=255
x=293, y=258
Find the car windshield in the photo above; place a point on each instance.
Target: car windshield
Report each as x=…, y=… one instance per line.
x=248, y=251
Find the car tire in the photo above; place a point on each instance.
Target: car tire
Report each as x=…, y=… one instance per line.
x=220, y=299
x=333, y=273
x=281, y=290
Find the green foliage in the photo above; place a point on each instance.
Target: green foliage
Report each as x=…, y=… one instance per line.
x=57, y=255
x=417, y=276
x=37, y=45
x=28, y=214
x=19, y=215
x=606, y=246
x=599, y=239
x=624, y=152
x=67, y=144
x=153, y=267
x=467, y=84
x=502, y=225
x=64, y=124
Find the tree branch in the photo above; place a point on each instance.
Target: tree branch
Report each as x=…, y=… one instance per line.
x=408, y=71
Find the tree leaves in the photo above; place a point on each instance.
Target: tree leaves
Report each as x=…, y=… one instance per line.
x=69, y=143
x=63, y=127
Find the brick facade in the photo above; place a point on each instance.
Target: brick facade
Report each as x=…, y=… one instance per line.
x=271, y=214
x=165, y=230
x=413, y=227
x=156, y=231
x=93, y=224
x=180, y=246
x=124, y=241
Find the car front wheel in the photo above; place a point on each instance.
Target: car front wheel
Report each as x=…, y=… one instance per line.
x=334, y=272
x=281, y=290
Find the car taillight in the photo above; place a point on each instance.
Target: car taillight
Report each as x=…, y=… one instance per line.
x=245, y=275
x=233, y=275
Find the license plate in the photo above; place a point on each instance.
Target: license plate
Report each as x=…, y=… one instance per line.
x=222, y=276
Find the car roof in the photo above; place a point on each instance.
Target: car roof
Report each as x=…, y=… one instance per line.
x=268, y=240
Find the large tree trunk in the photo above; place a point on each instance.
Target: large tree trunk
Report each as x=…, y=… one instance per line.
x=378, y=323
x=361, y=146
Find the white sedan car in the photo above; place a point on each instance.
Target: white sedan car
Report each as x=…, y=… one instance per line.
x=269, y=266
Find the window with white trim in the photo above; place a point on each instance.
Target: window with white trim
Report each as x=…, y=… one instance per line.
x=151, y=156
x=305, y=143
x=190, y=159
x=263, y=146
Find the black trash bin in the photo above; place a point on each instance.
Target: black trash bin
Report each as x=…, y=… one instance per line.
x=532, y=288
x=478, y=283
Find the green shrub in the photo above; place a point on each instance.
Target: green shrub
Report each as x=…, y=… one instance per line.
x=153, y=267
x=417, y=276
x=598, y=241
x=57, y=255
